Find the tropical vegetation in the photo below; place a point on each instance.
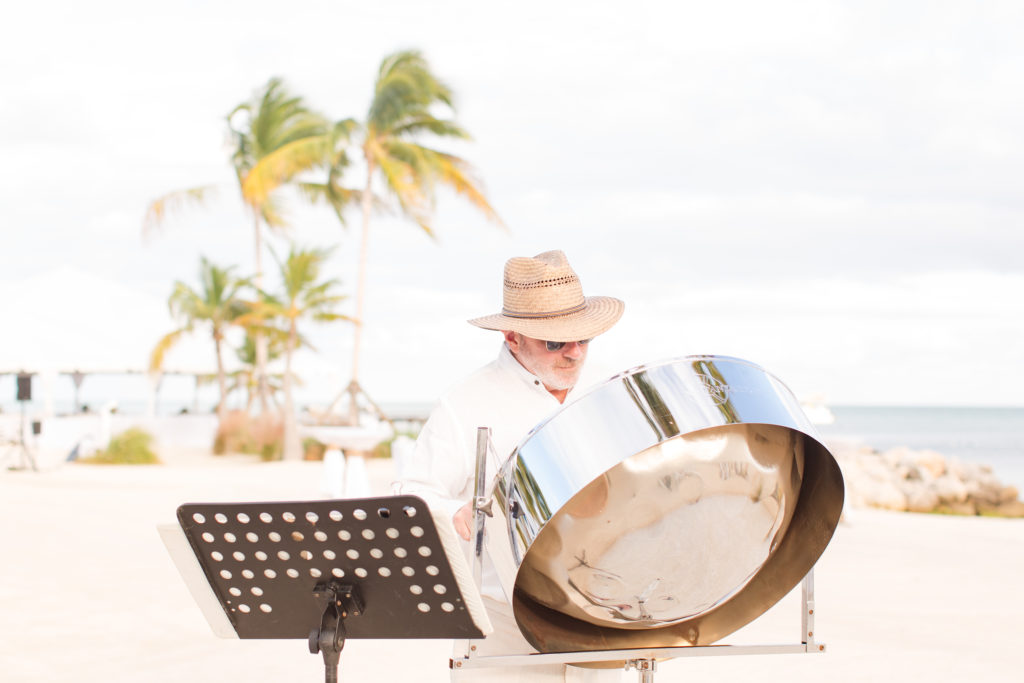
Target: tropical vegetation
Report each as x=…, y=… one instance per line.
x=216, y=305
x=279, y=142
x=304, y=296
x=400, y=120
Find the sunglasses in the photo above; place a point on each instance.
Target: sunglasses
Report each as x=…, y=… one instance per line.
x=557, y=346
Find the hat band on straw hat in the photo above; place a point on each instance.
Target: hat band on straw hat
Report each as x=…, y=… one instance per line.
x=543, y=314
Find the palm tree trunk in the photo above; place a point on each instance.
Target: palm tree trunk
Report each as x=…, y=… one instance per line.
x=222, y=382
x=292, y=447
x=364, y=239
x=262, y=386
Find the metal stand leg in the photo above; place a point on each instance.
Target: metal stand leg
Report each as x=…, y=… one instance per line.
x=807, y=617
x=644, y=667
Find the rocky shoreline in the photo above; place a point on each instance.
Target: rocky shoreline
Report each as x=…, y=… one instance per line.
x=923, y=481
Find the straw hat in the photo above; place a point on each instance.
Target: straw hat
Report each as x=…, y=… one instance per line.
x=543, y=299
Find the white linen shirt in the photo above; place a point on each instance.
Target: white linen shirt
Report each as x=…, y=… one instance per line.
x=502, y=395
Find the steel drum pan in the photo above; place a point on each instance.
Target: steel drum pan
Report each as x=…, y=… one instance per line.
x=669, y=506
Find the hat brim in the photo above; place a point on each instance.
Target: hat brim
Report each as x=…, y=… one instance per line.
x=598, y=316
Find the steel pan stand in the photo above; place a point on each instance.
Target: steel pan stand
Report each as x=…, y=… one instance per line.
x=644, y=661
x=324, y=571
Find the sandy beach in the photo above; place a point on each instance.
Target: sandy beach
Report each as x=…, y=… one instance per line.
x=90, y=594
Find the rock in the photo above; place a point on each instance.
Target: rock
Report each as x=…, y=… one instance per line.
x=964, y=508
x=950, y=489
x=920, y=498
x=924, y=481
x=1013, y=508
x=1008, y=494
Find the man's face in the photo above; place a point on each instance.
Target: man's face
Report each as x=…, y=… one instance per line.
x=558, y=370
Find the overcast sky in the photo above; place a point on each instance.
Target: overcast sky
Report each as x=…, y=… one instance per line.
x=832, y=190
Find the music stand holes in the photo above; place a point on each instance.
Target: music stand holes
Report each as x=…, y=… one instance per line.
x=352, y=554
x=247, y=573
x=243, y=518
x=432, y=570
x=416, y=589
x=199, y=519
x=447, y=607
x=361, y=573
x=320, y=536
x=391, y=532
x=338, y=572
x=312, y=517
x=293, y=573
x=384, y=571
x=251, y=537
x=424, y=551
x=261, y=556
x=208, y=537
x=383, y=513
x=344, y=535
x=423, y=607
x=297, y=536
x=225, y=573
x=401, y=553
x=217, y=557
x=416, y=531
x=256, y=590
x=264, y=607
x=288, y=517
x=315, y=573
x=409, y=511
x=368, y=534
x=274, y=537
x=235, y=591
x=408, y=571
x=335, y=515
x=244, y=609
x=283, y=555
x=221, y=518
x=230, y=537
x=266, y=517
x=376, y=553
x=305, y=554
x=329, y=554
x=270, y=573
x=440, y=588
x=239, y=556
x=359, y=514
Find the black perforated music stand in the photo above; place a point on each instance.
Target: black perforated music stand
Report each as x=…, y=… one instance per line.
x=330, y=570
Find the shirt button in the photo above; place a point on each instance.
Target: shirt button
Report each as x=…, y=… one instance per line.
x=536, y=382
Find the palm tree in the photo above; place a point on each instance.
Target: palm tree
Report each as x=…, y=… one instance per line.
x=304, y=296
x=218, y=304
x=244, y=379
x=275, y=137
x=406, y=95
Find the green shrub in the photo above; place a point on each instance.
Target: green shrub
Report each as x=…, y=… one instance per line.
x=130, y=447
x=313, y=449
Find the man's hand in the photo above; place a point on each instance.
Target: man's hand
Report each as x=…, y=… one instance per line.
x=463, y=520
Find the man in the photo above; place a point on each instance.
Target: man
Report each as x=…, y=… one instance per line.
x=547, y=325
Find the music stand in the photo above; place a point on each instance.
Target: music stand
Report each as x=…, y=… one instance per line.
x=326, y=571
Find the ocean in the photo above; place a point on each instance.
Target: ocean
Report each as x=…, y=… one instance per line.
x=992, y=436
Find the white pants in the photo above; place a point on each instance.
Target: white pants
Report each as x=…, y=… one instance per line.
x=507, y=640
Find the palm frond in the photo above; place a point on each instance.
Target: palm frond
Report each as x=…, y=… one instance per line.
x=172, y=202
x=156, y=356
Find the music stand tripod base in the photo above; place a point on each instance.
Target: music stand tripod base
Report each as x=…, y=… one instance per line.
x=329, y=570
